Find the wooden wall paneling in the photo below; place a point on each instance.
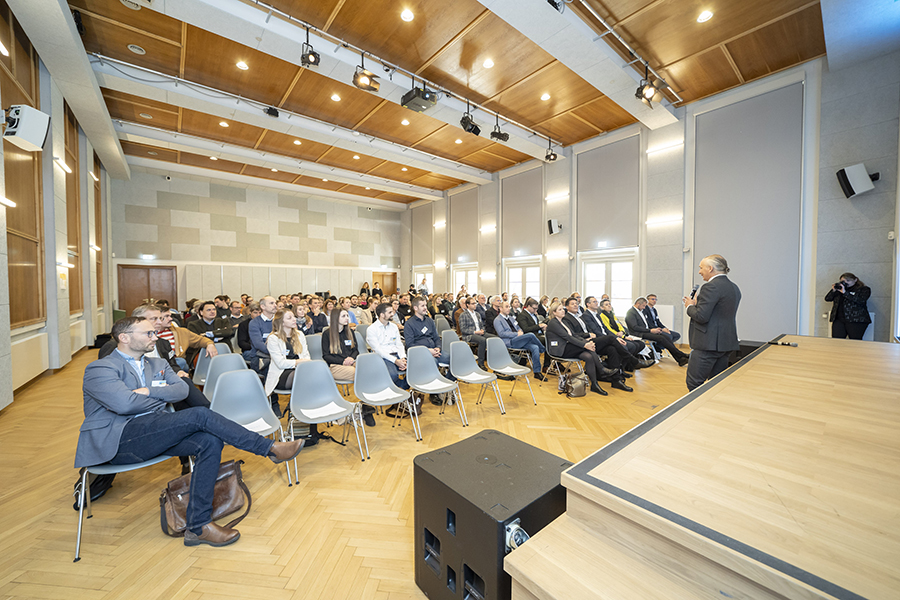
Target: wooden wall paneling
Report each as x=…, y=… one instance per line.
x=386, y=123
x=24, y=71
x=6, y=20
x=701, y=75
x=150, y=21
x=763, y=51
x=406, y=44
x=21, y=188
x=26, y=303
x=109, y=39
x=73, y=212
x=98, y=229
x=211, y=59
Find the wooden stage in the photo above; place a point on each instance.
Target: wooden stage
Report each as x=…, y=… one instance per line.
x=779, y=479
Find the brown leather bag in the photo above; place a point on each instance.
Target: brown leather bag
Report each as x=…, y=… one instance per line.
x=228, y=499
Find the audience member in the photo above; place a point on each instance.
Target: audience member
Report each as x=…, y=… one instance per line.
x=605, y=345
x=383, y=337
x=508, y=330
x=471, y=329
x=638, y=325
x=849, y=314
x=653, y=319
x=562, y=342
x=259, y=330
x=218, y=329
x=491, y=313
x=243, y=330
x=628, y=351
x=376, y=291
x=286, y=347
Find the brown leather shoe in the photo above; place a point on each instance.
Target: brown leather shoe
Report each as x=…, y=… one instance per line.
x=282, y=451
x=212, y=535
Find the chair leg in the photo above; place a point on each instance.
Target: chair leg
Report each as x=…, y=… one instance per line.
x=414, y=419
x=496, y=390
x=287, y=466
x=530, y=390
x=513, y=388
x=460, y=407
x=81, y=493
x=358, y=443
x=365, y=439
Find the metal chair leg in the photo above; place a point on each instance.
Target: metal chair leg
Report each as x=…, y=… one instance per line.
x=513, y=388
x=414, y=419
x=530, y=390
x=81, y=490
x=496, y=390
x=365, y=439
x=460, y=407
x=287, y=466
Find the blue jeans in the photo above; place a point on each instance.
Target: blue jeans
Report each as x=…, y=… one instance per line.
x=193, y=431
x=395, y=375
x=181, y=362
x=528, y=341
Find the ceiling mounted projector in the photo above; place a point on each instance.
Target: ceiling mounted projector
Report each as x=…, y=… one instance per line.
x=419, y=99
x=855, y=180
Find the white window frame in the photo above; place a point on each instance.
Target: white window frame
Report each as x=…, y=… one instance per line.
x=418, y=272
x=521, y=262
x=608, y=257
x=471, y=271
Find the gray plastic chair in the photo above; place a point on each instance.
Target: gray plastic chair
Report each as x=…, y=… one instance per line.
x=315, y=346
x=84, y=496
x=223, y=348
x=240, y=396
x=464, y=368
x=361, y=342
x=373, y=387
x=441, y=324
x=220, y=364
x=423, y=376
x=361, y=329
x=499, y=360
x=448, y=336
x=557, y=361
x=315, y=399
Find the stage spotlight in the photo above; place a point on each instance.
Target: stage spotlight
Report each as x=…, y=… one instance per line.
x=551, y=155
x=308, y=56
x=271, y=111
x=647, y=92
x=363, y=78
x=468, y=123
x=498, y=135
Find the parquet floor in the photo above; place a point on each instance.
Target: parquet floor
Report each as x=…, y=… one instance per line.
x=346, y=531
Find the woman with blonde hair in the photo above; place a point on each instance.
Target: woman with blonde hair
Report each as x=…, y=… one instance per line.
x=304, y=321
x=287, y=347
x=564, y=343
x=543, y=305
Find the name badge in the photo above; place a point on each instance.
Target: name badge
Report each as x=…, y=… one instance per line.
x=265, y=335
x=158, y=383
x=347, y=342
x=554, y=343
x=171, y=353
x=209, y=334
x=425, y=330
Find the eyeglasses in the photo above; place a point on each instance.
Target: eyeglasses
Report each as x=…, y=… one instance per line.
x=149, y=334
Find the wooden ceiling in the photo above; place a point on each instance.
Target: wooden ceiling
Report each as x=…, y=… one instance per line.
x=448, y=43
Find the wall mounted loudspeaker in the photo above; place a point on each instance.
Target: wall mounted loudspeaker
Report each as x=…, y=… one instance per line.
x=553, y=226
x=26, y=127
x=855, y=180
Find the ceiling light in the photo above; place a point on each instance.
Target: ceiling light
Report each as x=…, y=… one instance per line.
x=545, y=96
x=62, y=164
x=137, y=49
x=147, y=256
x=404, y=169
x=274, y=170
x=242, y=65
x=324, y=180
x=407, y=15
x=223, y=124
x=498, y=135
x=152, y=153
x=94, y=177
x=458, y=141
x=488, y=63
x=356, y=157
x=3, y=50
x=363, y=78
x=705, y=16
x=7, y=201
x=647, y=91
x=145, y=115
x=335, y=97
x=551, y=155
x=213, y=158
x=308, y=56
x=355, y=133
x=368, y=188
x=468, y=123
x=297, y=142
x=404, y=122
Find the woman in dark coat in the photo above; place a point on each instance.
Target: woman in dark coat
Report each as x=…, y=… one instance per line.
x=849, y=313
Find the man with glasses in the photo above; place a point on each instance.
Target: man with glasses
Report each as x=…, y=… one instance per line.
x=126, y=422
x=471, y=328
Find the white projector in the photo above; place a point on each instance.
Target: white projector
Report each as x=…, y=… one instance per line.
x=26, y=127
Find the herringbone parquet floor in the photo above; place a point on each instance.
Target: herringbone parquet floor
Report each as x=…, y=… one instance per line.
x=346, y=531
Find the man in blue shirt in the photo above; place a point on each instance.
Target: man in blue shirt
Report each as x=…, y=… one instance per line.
x=513, y=337
x=420, y=330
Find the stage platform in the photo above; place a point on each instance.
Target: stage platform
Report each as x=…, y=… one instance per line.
x=778, y=479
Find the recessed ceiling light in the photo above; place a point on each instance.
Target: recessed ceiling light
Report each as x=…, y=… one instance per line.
x=356, y=133
x=324, y=180
x=356, y=157
x=145, y=115
x=705, y=16
x=459, y=141
x=407, y=15
x=368, y=188
x=404, y=169
x=131, y=4
x=213, y=158
x=335, y=97
x=137, y=49
x=242, y=65
x=545, y=96
x=297, y=142
x=488, y=63
x=152, y=153
x=404, y=122
x=274, y=170
x=223, y=124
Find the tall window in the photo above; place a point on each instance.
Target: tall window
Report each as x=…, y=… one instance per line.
x=22, y=169
x=611, y=275
x=465, y=276
x=98, y=228
x=73, y=213
x=524, y=281
x=429, y=280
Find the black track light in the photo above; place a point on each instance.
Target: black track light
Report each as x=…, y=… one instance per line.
x=551, y=155
x=468, y=123
x=363, y=78
x=271, y=111
x=498, y=135
x=646, y=92
x=308, y=56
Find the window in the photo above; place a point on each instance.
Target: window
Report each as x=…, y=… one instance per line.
x=612, y=275
x=429, y=280
x=465, y=276
x=524, y=280
x=73, y=213
x=98, y=228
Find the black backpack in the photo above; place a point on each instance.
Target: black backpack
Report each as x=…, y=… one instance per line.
x=98, y=485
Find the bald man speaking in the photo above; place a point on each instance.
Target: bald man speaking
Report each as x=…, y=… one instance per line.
x=713, y=331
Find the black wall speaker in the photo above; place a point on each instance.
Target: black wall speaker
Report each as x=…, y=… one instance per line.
x=470, y=497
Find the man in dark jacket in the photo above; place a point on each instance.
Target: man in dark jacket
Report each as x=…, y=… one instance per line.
x=218, y=329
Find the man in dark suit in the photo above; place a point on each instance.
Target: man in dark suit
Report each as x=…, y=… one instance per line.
x=218, y=329
x=481, y=306
x=491, y=313
x=713, y=329
x=638, y=325
x=628, y=351
x=471, y=329
x=653, y=319
x=605, y=345
x=126, y=421
x=529, y=322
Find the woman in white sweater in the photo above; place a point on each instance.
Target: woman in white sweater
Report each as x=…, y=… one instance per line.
x=287, y=346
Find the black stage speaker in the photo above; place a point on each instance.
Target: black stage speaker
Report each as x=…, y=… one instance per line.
x=467, y=495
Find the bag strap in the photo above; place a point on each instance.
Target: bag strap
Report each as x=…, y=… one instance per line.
x=237, y=520
x=163, y=522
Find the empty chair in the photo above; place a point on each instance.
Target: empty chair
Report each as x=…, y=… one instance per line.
x=201, y=368
x=361, y=342
x=373, y=386
x=448, y=336
x=220, y=364
x=423, y=376
x=223, y=348
x=315, y=399
x=499, y=360
x=361, y=329
x=464, y=368
x=239, y=396
x=441, y=324
x=315, y=346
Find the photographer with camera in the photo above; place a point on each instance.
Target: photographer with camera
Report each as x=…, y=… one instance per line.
x=849, y=313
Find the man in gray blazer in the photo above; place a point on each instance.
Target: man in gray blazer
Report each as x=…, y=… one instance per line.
x=713, y=330
x=471, y=329
x=126, y=421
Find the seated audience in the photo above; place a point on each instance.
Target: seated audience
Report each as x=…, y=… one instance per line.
x=218, y=329
x=654, y=322
x=508, y=329
x=471, y=329
x=608, y=317
x=629, y=351
x=562, y=342
x=304, y=321
x=259, y=330
x=243, y=330
x=639, y=325
x=491, y=313
x=543, y=305
x=420, y=330
x=339, y=350
x=530, y=322
x=319, y=319
x=383, y=337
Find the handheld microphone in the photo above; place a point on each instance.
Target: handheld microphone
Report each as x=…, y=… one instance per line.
x=791, y=344
x=694, y=291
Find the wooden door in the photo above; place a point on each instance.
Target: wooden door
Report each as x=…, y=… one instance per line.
x=137, y=283
x=387, y=282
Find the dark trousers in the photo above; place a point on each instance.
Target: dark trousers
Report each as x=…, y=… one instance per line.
x=194, y=398
x=593, y=368
x=703, y=365
x=194, y=431
x=664, y=341
x=843, y=329
x=528, y=341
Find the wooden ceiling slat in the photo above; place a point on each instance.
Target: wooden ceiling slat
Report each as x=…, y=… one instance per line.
x=112, y=40
x=150, y=22
x=369, y=114
x=334, y=13
x=291, y=87
x=262, y=136
x=732, y=63
x=465, y=30
x=183, y=50
x=132, y=28
x=701, y=75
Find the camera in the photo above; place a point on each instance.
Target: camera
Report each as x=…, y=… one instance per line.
x=168, y=178
x=838, y=285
